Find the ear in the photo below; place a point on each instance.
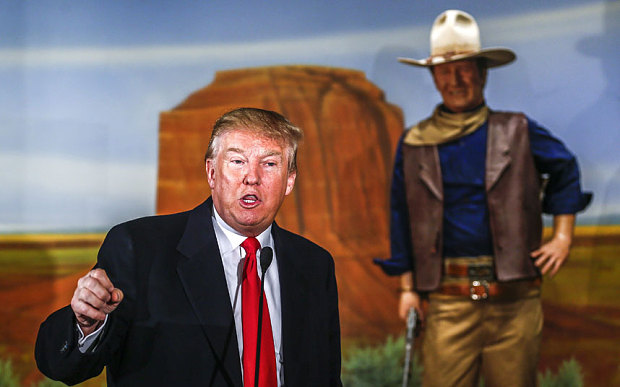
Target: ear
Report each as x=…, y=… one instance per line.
x=210, y=168
x=290, y=182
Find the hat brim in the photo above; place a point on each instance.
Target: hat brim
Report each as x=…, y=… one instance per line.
x=494, y=57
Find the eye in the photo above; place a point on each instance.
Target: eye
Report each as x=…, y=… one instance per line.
x=236, y=161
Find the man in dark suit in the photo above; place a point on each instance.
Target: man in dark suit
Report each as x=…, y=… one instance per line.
x=168, y=302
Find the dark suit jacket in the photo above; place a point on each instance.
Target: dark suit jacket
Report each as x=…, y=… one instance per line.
x=175, y=326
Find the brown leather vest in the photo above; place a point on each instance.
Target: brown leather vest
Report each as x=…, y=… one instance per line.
x=513, y=187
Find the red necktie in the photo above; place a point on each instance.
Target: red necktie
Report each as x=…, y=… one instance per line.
x=250, y=293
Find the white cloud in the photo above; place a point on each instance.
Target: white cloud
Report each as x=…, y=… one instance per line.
x=581, y=20
x=60, y=192
x=61, y=174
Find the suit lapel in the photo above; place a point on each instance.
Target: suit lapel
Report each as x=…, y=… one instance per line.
x=293, y=299
x=204, y=282
x=498, y=153
x=430, y=171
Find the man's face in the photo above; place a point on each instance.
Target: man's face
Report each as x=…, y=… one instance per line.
x=249, y=179
x=460, y=84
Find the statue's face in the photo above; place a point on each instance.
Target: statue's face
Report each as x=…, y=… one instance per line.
x=461, y=84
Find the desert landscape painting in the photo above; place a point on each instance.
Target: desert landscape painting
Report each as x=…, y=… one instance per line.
x=106, y=111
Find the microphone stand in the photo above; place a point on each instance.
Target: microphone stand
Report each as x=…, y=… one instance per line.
x=265, y=260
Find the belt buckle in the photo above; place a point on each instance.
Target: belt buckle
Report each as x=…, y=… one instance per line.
x=479, y=290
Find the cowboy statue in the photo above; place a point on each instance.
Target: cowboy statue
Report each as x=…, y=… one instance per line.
x=469, y=187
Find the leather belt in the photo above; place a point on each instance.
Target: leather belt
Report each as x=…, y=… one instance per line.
x=473, y=268
x=470, y=271
x=479, y=290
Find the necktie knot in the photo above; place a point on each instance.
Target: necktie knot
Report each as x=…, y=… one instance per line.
x=251, y=245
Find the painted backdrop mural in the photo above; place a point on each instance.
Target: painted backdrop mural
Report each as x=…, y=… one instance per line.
x=84, y=83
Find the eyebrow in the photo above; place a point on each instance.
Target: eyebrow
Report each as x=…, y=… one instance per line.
x=241, y=151
x=235, y=150
x=272, y=153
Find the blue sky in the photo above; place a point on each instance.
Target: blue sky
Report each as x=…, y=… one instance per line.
x=84, y=83
x=139, y=22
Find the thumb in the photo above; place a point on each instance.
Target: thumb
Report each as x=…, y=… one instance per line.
x=117, y=296
x=115, y=299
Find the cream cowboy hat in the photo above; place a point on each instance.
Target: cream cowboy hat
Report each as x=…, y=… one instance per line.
x=455, y=36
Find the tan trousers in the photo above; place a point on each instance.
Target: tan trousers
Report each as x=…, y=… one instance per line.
x=498, y=340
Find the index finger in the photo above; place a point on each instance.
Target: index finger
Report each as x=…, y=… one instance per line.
x=101, y=276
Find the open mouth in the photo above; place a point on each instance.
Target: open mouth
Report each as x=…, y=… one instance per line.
x=249, y=201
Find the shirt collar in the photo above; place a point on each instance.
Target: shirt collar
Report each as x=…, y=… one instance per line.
x=235, y=239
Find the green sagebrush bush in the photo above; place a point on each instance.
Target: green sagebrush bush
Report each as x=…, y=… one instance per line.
x=8, y=378
x=379, y=366
x=569, y=375
x=382, y=366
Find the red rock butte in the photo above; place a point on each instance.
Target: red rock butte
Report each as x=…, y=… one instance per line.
x=340, y=200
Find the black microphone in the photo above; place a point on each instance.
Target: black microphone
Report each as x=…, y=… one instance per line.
x=266, y=256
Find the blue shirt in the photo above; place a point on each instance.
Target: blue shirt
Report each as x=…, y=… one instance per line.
x=466, y=230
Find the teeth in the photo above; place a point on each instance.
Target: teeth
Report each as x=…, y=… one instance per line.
x=249, y=199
